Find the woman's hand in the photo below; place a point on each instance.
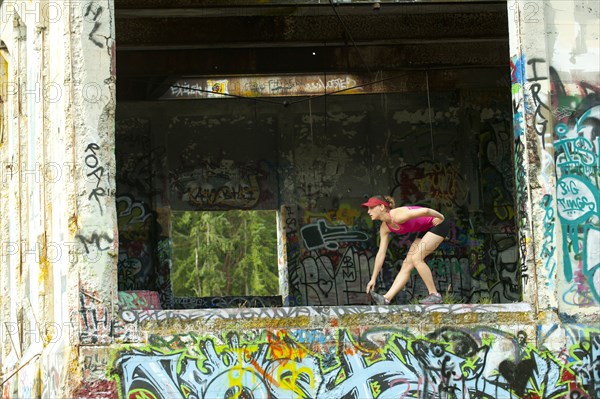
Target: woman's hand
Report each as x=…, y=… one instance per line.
x=370, y=285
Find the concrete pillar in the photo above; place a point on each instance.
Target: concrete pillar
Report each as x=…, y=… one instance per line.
x=58, y=221
x=554, y=69
x=90, y=127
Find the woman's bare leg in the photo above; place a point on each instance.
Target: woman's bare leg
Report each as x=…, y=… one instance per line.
x=428, y=244
x=419, y=250
x=400, y=280
x=404, y=274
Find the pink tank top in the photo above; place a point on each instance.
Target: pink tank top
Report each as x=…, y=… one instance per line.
x=421, y=224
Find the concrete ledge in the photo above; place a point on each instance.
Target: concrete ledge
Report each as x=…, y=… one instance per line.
x=206, y=320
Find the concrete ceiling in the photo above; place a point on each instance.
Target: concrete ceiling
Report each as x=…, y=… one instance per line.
x=159, y=41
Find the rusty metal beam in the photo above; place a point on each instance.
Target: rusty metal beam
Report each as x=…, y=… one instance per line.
x=396, y=81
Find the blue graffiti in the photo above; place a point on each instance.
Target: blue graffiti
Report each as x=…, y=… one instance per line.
x=448, y=364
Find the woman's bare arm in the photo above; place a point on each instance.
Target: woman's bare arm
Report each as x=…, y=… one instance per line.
x=404, y=213
x=384, y=239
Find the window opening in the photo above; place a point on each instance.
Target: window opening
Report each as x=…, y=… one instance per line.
x=224, y=254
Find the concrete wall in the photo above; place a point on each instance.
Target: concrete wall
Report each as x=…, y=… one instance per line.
x=547, y=346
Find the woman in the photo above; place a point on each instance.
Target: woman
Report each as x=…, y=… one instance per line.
x=404, y=220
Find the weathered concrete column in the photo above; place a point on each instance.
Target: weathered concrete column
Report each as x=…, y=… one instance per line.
x=532, y=131
x=91, y=62
x=554, y=66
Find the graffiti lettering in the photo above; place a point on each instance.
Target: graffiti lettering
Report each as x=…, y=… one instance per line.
x=96, y=240
x=93, y=14
x=548, y=248
x=333, y=364
x=91, y=161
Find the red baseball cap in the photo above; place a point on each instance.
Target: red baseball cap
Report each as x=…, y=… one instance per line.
x=373, y=201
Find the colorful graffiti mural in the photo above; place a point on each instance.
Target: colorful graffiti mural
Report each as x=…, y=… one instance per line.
x=335, y=262
x=364, y=363
x=137, y=231
x=577, y=160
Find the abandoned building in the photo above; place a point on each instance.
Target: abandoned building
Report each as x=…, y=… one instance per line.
x=130, y=128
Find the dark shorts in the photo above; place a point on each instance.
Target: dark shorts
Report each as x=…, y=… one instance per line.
x=441, y=229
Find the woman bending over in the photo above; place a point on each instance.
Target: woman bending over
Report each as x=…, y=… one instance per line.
x=405, y=220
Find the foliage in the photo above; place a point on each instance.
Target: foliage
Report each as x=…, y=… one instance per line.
x=225, y=253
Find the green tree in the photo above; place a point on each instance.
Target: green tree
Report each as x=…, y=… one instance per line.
x=228, y=253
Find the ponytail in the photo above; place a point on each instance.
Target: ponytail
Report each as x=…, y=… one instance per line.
x=390, y=201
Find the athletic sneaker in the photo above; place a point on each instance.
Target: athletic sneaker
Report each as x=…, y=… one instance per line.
x=378, y=299
x=431, y=299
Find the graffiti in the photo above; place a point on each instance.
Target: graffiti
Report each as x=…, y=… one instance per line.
x=521, y=201
x=576, y=155
x=588, y=351
x=227, y=302
x=138, y=300
x=93, y=13
x=517, y=79
x=52, y=380
x=94, y=365
x=137, y=171
x=97, y=171
x=334, y=279
x=219, y=186
x=97, y=390
x=293, y=257
x=548, y=248
x=165, y=263
x=334, y=84
x=577, y=202
x=271, y=86
x=497, y=174
x=134, y=219
x=129, y=271
x=444, y=184
x=218, y=315
x=504, y=282
x=95, y=239
x=53, y=370
x=540, y=121
x=327, y=277
x=322, y=235
x=27, y=381
x=318, y=168
x=94, y=319
x=577, y=158
x=382, y=363
x=137, y=231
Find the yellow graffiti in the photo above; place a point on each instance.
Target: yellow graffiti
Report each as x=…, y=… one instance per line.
x=280, y=349
x=375, y=388
x=185, y=390
x=344, y=214
x=140, y=393
x=289, y=376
